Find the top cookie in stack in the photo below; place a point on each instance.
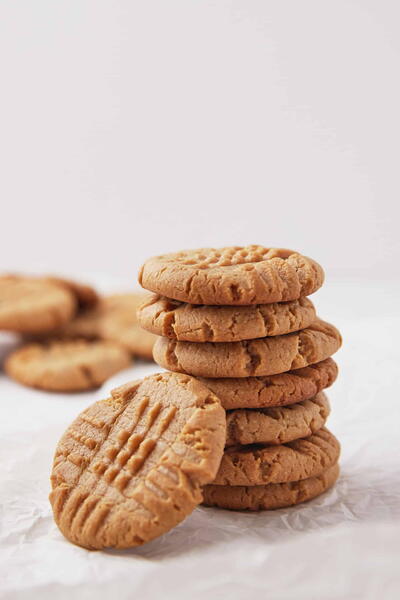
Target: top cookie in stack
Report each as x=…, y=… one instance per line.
x=232, y=276
x=239, y=319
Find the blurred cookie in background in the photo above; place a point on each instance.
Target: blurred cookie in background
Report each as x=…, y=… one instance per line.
x=30, y=305
x=111, y=318
x=66, y=366
x=73, y=338
x=119, y=324
x=85, y=295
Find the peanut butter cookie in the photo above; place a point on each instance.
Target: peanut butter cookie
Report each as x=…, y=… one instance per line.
x=85, y=325
x=198, y=323
x=275, y=390
x=131, y=467
x=119, y=324
x=66, y=365
x=277, y=425
x=30, y=305
x=232, y=276
x=260, y=464
x=271, y=496
x=86, y=295
x=263, y=356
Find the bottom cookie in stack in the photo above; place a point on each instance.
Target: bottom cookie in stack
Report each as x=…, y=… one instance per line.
x=270, y=496
x=266, y=476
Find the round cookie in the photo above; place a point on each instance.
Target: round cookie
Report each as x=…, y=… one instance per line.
x=270, y=496
x=275, y=390
x=66, y=365
x=277, y=425
x=232, y=276
x=119, y=324
x=30, y=305
x=85, y=295
x=263, y=356
x=198, y=323
x=85, y=326
x=260, y=465
x=131, y=467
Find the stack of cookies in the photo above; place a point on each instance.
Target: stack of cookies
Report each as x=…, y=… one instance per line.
x=239, y=320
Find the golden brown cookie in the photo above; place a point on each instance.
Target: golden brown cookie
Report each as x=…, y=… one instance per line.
x=31, y=305
x=271, y=496
x=198, y=323
x=263, y=356
x=119, y=324
x=275, y=390
x=85, y=323
x=85, y=326
x=66, y=365
x=85, y=295
x=131, y=467
x=260, y=464
x=277, y=425
x=232, y=276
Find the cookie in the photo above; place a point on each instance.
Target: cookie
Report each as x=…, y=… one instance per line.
x=84, y=325
x=271, y=496
x=119, y=324
x=131, y=467
x=85, y=295
x=66, y=365
x=260, y=464
x=198, y=323
x=275, y=390
x=263, y=356
x=232, y=276
x=277, y=425
x=30, y=305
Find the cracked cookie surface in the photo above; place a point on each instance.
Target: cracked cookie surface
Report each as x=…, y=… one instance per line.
x=263, y=356
x=199, y=323
x=271, y=496
x=232, y=276
x=131, y=467
x=66, y=365
x=277, y=425
x=260, y=464
x=274, y=390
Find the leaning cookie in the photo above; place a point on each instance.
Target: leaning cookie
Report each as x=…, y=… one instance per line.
x=277, y=425
x=272, y=495
x=263, y=356
x=66, y=366
x=261, y=464
x=198, y=323
x=131, y=467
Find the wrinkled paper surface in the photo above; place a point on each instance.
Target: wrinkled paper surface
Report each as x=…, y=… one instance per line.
x=345, y=544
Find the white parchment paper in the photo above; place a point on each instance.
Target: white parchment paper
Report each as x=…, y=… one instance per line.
x=345, y=544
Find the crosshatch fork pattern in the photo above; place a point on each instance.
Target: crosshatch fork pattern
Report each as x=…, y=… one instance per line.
x=226, y=257
x=137, y=442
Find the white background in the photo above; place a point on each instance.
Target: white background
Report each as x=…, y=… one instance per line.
x=133, y=128
x=128, y=129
